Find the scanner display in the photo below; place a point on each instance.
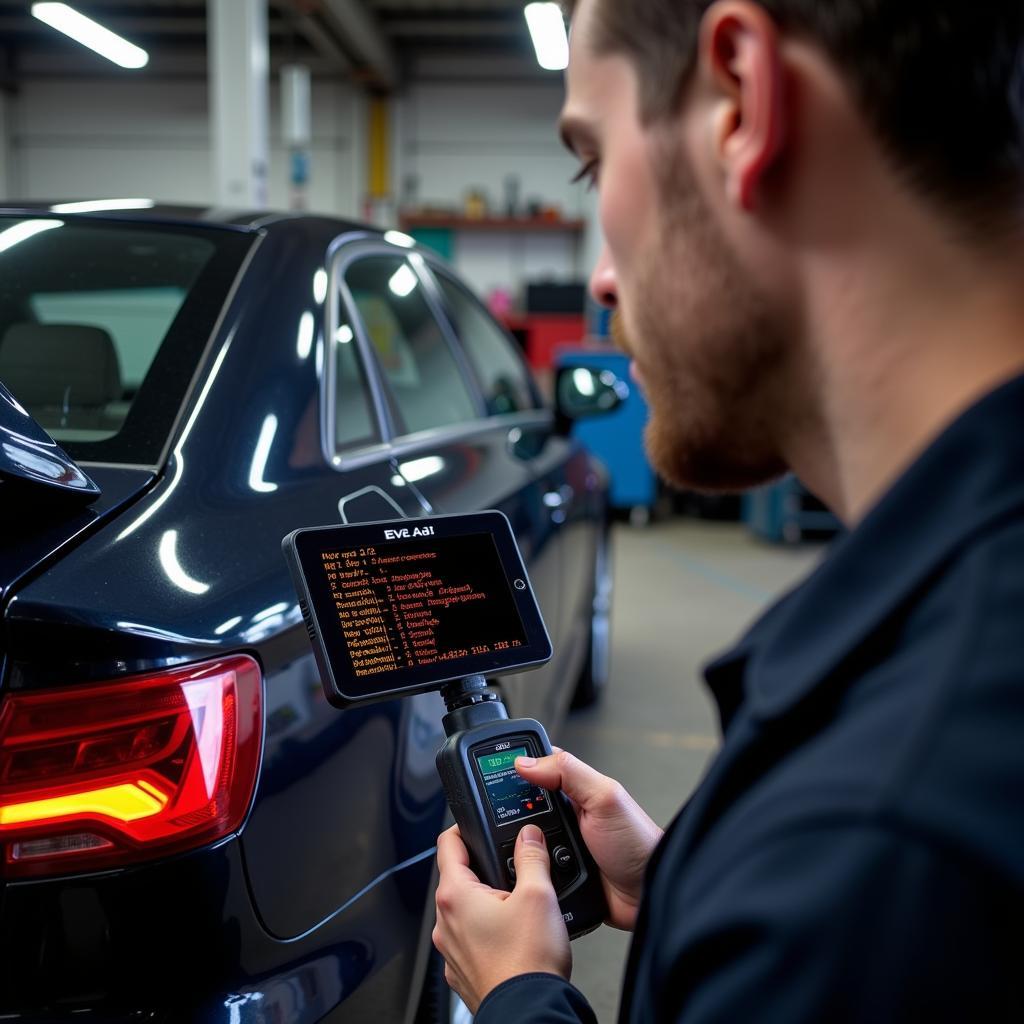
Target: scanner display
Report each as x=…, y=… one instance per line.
x=412, y=605
x=511, y=797
x=396, y=608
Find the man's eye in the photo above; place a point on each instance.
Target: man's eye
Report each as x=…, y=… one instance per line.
x=588, y=173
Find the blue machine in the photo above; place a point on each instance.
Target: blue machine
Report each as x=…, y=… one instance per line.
x=617, y=439
x=784, y=512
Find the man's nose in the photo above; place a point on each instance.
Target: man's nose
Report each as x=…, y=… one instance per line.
x=603, y=287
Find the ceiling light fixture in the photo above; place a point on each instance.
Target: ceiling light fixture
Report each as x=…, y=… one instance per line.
x=547, y=28
x=90, y=33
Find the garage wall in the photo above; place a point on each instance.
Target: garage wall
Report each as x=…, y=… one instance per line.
x=96, y=139
x=77, y=138
x=457, y=135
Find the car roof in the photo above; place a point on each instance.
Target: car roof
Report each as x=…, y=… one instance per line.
x=177, y=213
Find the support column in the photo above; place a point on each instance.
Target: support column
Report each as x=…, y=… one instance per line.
x=239, y=101
x=380, y=199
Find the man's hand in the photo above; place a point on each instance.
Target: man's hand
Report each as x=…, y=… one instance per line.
x=616, y=829
x=487, y=936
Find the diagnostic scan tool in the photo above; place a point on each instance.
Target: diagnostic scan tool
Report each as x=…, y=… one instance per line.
x=440, y=603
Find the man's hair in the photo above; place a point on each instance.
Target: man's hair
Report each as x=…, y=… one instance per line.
x=940, y=81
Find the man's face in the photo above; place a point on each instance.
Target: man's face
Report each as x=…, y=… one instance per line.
x=704, y=346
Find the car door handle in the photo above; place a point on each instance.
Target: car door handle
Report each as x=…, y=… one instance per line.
x=559, y=499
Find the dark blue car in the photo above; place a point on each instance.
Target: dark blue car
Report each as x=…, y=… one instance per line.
x=188, y=831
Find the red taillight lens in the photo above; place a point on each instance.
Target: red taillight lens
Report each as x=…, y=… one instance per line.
x=101, y=776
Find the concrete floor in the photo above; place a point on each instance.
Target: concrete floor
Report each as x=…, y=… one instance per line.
x=684, y=591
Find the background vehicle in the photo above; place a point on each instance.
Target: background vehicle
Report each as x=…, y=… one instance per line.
x=224, y=381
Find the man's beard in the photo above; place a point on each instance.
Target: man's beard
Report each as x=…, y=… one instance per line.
x=713, y=358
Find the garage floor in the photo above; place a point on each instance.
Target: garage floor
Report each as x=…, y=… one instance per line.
x=684, y=591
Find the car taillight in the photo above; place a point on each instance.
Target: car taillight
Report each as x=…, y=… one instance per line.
x=99, y=776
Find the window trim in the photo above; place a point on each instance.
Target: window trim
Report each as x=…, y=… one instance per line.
x=344, y=251
x=408, y=444
x=394, y=443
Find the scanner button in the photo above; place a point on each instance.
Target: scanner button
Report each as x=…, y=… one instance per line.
x=563, y=858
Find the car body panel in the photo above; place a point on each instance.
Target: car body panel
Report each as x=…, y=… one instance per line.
x=179, y=940
x=323, y=897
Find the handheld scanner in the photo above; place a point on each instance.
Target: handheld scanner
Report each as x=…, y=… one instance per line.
x=491, y=802
x=400, y=607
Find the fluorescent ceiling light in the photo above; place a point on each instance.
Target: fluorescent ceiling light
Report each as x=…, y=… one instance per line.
x=90, y=33
x=25, y=230
x=98, y=205
x=547, y=27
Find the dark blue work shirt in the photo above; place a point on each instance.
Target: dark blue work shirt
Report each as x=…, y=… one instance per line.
x=856, y=850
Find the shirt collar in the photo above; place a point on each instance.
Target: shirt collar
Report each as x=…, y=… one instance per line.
x=969, y=478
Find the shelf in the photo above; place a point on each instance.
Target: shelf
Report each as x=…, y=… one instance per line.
x=412, y=221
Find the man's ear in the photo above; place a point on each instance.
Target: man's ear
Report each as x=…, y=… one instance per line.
x=740, y=60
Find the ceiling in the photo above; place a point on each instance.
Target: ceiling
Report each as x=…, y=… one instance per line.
x=377, y=42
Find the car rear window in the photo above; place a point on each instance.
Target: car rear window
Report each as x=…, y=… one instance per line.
x=103, y=323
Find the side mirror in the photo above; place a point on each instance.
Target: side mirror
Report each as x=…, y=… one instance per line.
x=582, y=392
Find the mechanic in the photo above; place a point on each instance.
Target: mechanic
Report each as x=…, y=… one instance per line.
x=814, y=237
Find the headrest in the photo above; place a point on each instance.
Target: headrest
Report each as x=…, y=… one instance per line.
x=386, y=336
x=54, y=364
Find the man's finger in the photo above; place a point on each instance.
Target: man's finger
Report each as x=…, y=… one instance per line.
x=452, y=855
x=533, y=866
x=584, y=785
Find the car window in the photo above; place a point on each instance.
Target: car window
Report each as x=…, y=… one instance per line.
x=354, y=421
x=426, y=383
x=501, y=372
x=102, y=325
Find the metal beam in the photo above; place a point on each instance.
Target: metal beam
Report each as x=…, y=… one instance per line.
x=363, y=37
x=423, y=28
x=184, y=63
x=296, y=15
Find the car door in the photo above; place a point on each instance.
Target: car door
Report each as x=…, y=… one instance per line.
x=343, y=796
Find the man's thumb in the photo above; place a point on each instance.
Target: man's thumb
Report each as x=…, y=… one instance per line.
x=584, y=785
x=531, y=857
